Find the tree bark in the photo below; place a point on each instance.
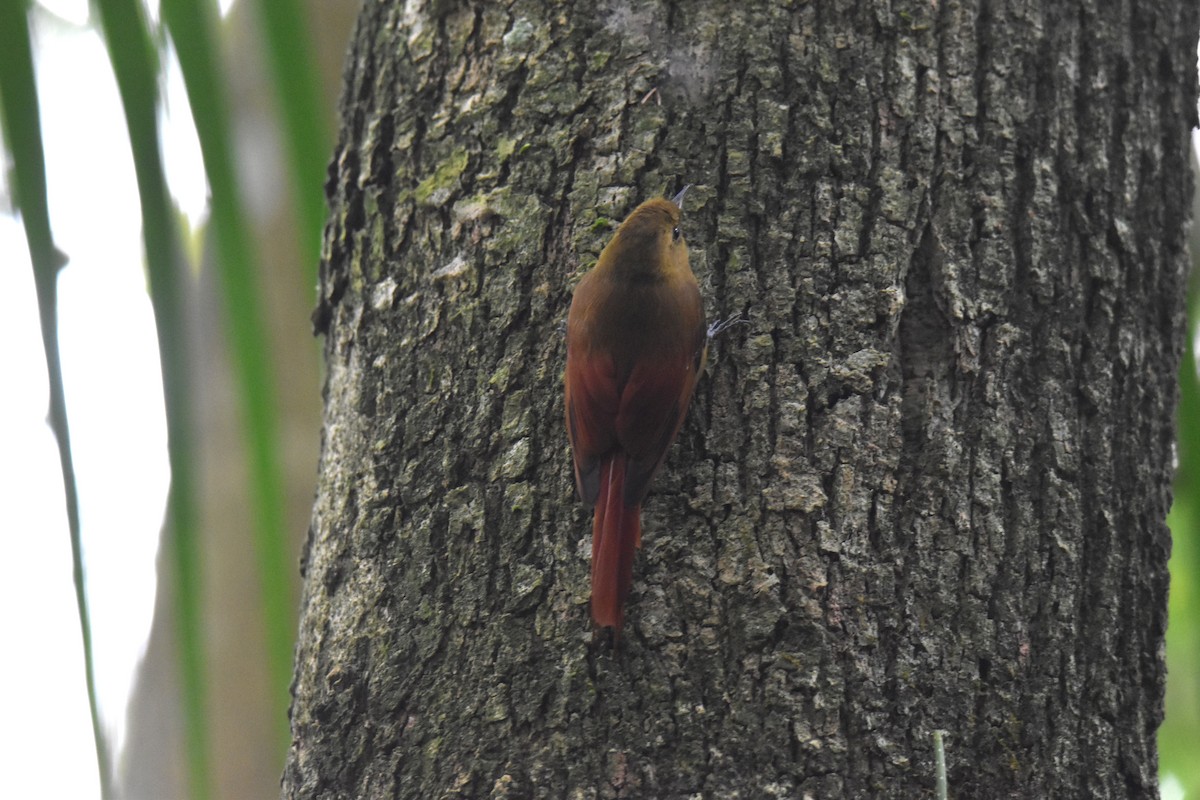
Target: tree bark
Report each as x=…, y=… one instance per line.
x=925, y=488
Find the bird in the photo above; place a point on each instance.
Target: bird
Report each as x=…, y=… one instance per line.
x=636, y=345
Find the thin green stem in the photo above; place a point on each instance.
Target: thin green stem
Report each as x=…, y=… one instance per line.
x=22, y=128
x=135, y=64
x=191, y=25
x=306, y=126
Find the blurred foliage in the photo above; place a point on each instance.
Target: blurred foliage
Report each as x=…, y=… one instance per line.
x=1181, y=729
x=137, y=49
x=135, y=65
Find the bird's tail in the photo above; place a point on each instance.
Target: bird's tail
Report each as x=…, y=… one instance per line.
x=616, y=533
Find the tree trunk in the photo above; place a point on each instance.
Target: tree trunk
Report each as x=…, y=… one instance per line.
x=924, y=488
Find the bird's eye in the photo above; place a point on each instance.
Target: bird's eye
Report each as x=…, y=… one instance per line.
x=675, y=233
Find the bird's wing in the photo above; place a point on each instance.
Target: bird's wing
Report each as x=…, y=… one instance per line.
x=591, y=409
x=652, y=407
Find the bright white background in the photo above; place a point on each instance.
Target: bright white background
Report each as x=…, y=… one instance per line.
x=110, y=364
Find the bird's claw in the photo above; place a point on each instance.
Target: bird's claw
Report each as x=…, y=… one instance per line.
x=722, y=325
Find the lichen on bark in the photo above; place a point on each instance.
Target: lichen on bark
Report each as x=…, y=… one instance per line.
x=924, y=488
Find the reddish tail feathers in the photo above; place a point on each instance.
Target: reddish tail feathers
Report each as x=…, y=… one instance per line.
x=616, y=533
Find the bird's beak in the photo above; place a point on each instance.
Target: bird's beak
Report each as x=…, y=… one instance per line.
x=678, y=199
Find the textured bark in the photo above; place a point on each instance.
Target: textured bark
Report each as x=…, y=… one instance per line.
x=924, y=488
